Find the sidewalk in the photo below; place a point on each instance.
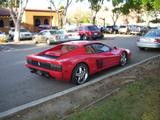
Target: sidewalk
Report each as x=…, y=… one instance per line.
x=8, y=46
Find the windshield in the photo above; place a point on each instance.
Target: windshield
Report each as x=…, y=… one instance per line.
x=153, y=33
x=23, y=30
x=92, y=28
x=53, y=32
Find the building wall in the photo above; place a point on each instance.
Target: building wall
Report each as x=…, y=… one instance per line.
x=30, y=15
x=6, y=23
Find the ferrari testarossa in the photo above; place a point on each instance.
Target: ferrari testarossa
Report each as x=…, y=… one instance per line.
x=75, y=61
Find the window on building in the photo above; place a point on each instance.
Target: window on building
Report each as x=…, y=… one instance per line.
x=1, y=23
x=37, y=22
x=46, y=22
x=11, y=23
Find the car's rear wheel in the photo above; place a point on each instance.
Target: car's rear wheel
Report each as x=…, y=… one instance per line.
x=80, y=74
x=123, y=59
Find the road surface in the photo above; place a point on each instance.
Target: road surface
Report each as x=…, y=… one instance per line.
x=18, y=86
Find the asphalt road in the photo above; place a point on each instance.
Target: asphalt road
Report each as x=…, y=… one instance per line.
x=18, y=86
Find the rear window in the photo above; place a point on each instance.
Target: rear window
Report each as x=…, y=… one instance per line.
x=92, y=28
x=153, y=33
x=68, y=48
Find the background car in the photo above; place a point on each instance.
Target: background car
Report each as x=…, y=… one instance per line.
x=90, y=32
x=46, y=27
x=124, y=29
x=150, y=40
x=111, y=29
x=72, y=34
x=24, y=33
x=75, y=61
x=50, y=36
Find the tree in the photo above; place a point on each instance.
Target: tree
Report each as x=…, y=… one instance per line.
x=66, y=6
x=95, y=6
x=115, y=15
x=56, y=8
x=156, y=5
x=16, y=14
x=61, y=7
x=116, y=11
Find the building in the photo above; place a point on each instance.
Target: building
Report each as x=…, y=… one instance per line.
x=36, y=13
x=5, y=20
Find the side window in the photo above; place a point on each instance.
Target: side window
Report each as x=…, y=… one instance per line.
x=44, y=33
x=100, y=48
x=80, y=28
x=89, y=49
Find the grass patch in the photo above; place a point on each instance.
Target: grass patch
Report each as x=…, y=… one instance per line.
x=137, y=101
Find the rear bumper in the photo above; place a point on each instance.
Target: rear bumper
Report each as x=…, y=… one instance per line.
x=54, y=74
x=148, y=45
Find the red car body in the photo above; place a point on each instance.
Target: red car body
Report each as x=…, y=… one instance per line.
x=90, y=32
x=61, y=61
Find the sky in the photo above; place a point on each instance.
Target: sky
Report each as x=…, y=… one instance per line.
x=44, y=4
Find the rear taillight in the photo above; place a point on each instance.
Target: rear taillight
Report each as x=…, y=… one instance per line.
x=157, y=40
x=56, y=67
x=56, y=37
x=89, y=33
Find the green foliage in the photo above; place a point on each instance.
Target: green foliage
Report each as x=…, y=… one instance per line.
x=116, y=2
x=147, y=5
x=85, y=20
x=9, y=3
x=156, y=5
x=137, y=101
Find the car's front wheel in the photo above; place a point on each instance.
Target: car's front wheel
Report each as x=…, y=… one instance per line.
x=80, y=74
x=123, y=59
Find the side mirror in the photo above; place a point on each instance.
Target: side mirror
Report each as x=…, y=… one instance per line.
x=115, y=47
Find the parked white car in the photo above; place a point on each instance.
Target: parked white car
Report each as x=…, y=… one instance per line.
x=123, y=29
x=72, y=34
x=24, y=33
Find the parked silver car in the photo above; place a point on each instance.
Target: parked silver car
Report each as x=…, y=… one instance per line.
x=150, y=40
x=49, y=36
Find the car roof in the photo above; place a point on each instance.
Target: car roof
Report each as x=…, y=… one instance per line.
x=80, y=43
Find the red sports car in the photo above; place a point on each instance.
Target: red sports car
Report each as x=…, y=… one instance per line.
x=75, y=61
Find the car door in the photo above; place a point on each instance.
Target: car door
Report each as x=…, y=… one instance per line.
x=105, y=58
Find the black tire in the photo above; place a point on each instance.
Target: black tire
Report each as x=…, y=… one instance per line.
x=80, y=74
x=123, y=59
x=83, y=37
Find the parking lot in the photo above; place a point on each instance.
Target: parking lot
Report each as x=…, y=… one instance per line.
x=18, y=86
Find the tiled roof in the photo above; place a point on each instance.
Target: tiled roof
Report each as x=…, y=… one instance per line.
x=4, y=12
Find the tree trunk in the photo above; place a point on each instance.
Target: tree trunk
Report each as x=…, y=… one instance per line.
x=57, y=20
x=17, y=32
